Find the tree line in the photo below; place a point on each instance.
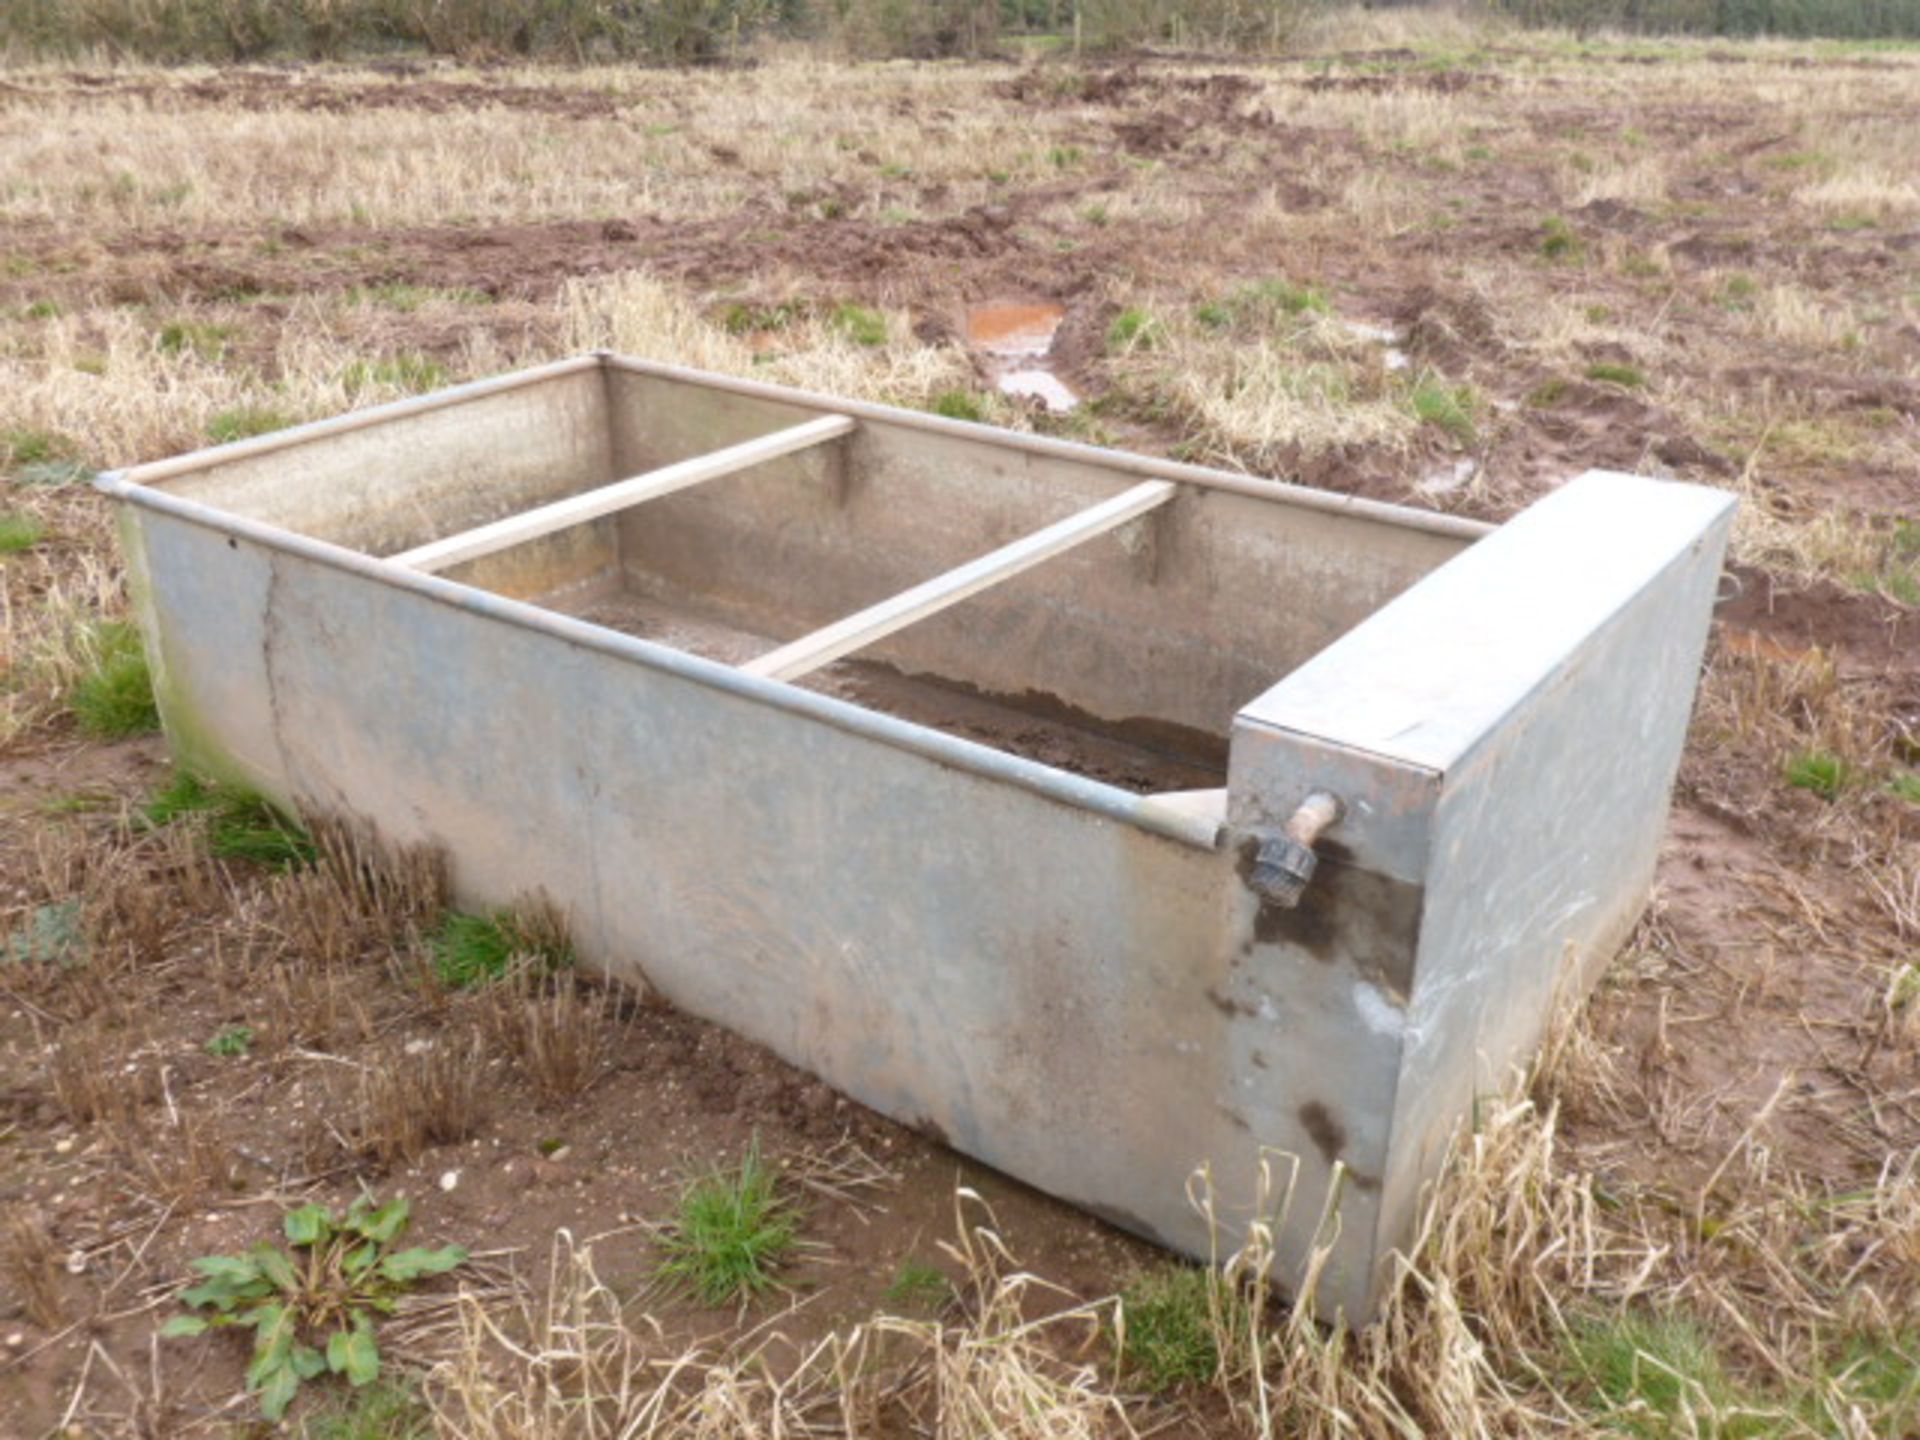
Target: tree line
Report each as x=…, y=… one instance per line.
x=707, y=31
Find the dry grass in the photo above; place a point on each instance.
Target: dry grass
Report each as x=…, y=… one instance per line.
x=643, y=316
x=96, y=1076
x=582, y=1368
x=419, y=1093
x=361, y=900
x=30, y=1263
x=1264, y=378
x=563, y=1031
x=178, y=1161
x=151, y=162
x=1518, y=1261
x=1642, y=180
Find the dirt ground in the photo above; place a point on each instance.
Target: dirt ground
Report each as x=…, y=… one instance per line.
x=1695, y=261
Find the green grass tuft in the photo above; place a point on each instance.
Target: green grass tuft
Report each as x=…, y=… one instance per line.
x=1737, y=292
x=1882, y=1375
x=1820, y=771
x=470, y=950
x=19, y=531
x=55, y=473
x=185, y=794
x=230, y=1042
x=114, y=698
x=1169, y=1338
x=730, y=1234
x=244, y=422
x=959, y=405
x=1132, y=329
x=1906, y=786
x=382, y=1411
x=919, y=1287
x=1264, y=301
x=181, y=337
x=1896, y=577
x=1658, y=1369
x=20, y=448
x=861, y=325
x=240, y=824
x=411, y=373
x=740, y=318
x=1558, y=242
x=1449, y=407
x=1608, y=373
x=408, y=298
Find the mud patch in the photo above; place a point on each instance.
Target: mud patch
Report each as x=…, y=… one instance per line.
x=1862, y=629
x=1016, y=340
x=1134, y=755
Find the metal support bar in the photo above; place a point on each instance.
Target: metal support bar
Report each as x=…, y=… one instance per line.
x=826, y=645
x=577, y=509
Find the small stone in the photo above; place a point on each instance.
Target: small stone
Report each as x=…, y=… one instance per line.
x=450, y=1180
x=63, y=1145
x=77, y=1262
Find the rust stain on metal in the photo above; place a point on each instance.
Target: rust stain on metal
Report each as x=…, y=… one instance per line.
x=1347, y=915
x=1329, y=1137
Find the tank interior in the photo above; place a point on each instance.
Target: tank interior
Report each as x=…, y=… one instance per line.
x=1101, y=614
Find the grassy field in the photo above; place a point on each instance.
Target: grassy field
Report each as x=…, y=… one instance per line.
x=1427, y=263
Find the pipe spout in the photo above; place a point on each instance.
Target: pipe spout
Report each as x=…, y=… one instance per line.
x=1286, y=862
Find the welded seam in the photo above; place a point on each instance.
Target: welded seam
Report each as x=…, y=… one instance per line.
x=269, y=638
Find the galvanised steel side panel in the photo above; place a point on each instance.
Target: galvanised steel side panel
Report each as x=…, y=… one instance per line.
x=1548, y=830
x=1505, y=736
x=394, y=483
x=1038, y=984
x=1434, y=673
x=202, y=600
x=1351, y=944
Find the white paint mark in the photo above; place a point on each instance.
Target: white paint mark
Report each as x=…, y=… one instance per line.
x=1377, y=1013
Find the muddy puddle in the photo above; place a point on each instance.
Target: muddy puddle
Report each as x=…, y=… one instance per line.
x=1016, y=339
x=1386, y=337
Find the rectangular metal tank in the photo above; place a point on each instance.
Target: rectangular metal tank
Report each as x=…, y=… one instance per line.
x=959, y=766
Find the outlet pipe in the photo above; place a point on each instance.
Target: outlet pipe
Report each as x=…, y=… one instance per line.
x=1286, y=862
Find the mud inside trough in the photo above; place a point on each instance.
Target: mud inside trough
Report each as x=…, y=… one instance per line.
x=1142, y=756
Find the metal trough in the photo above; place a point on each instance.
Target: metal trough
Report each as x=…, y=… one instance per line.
x=1101, y=816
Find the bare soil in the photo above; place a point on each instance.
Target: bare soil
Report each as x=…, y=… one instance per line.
x=675, y=1098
